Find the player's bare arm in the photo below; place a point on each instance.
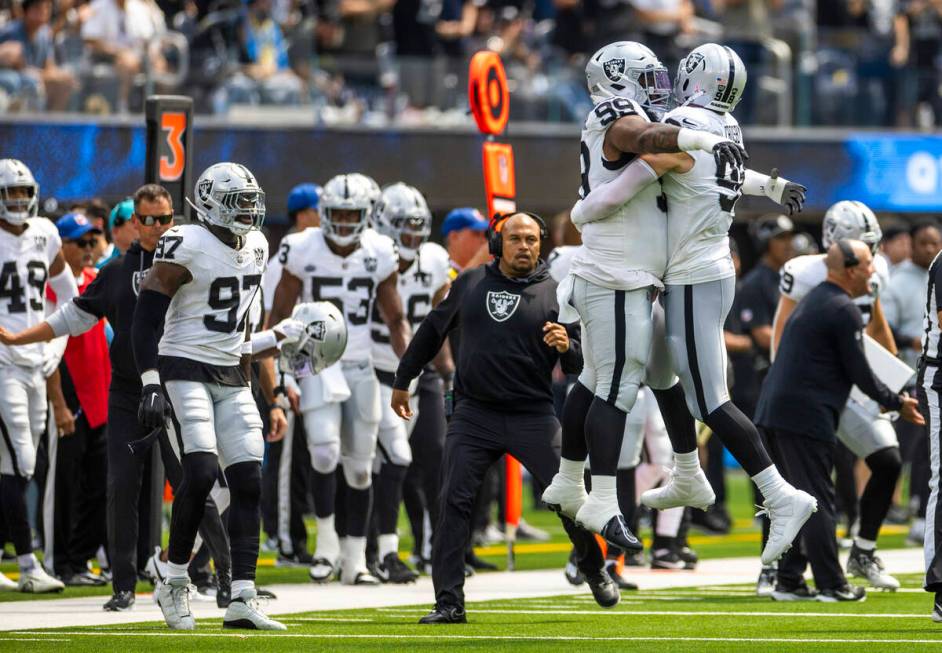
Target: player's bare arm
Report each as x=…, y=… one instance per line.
x=784, y=310
x=390, y=309
x=633, y=134
x=879, y=329
x=286, y=296
x=42, y=332
x=165, y=278
x=65, y=419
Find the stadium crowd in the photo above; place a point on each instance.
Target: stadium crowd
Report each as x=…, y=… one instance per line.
x=376, y=61
x=69, y=501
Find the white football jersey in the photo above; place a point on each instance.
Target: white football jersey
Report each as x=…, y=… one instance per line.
x=802, y=274
x=206, y=318
x=349, y=282
x=270, y=280
x=24, y=270
x=628, y=249
x=700, y=204
x=560, y=261
x=417, y=286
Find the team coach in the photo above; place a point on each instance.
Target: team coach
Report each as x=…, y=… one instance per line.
x=506, y=313
x=820, y=357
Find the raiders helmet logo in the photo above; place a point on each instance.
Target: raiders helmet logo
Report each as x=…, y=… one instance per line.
x=259, y=256
x=692, y=61
x=317, y=330
x=136, y=279
x=370, y=263
x=501, y=304
x=614, y=69
x=204, y=188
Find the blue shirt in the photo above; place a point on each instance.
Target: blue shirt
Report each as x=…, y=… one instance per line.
x=37, y=51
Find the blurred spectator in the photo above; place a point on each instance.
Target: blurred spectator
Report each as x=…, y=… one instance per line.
x=97, y=211
x=360, y=21
x=896, y=246
x=463, y=231
x=28, y=67
x=746, y=23
x=124, y=33
x=265, y=76
x=804, y=245
x=918, y=34
x=660, y=21
x=455, y=24
x=122, y=230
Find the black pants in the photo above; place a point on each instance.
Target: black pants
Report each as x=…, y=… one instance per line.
x=126, y=473
x=807, y=463
x=477, y=437
x=285, y=488
x=423, y=484
x=74, y=497
x=928, y=387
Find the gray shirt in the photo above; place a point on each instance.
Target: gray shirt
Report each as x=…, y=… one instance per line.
x=904, y=304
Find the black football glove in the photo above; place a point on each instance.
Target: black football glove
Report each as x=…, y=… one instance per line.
x=786, y=193
x=153, y=409
x=728, y=153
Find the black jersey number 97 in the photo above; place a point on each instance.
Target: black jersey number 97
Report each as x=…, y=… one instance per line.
x=166, y=246
x=224, y=295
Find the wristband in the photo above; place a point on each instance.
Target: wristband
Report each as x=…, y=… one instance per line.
x=263, y=341
x=694, y=139
x=150, y=377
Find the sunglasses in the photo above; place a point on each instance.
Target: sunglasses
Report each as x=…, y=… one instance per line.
x=84, y=244
x=151, y=220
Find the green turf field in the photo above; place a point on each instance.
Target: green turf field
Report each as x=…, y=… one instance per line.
x=719, y=618
x=743, y=541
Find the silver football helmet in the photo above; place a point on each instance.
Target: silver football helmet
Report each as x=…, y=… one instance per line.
x=630, y=70
x=15, y=174
x=227, y=195
x=851, y=219
x=374, y=190
x=345, y=193
x=320, y=345
x=403, y=215
x=711, y=76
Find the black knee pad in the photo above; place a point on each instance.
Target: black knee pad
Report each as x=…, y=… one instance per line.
x=245, y=481
x=887, y=462
x=200, y=471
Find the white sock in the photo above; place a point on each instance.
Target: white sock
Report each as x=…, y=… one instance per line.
x=328, y=544
x=239, y=586
x=572, y=470
x=865, y=545
x=178, y=571
x=687, y=464
x=27, y=562
x=387, y=544
x=770, y=483
x=603, y=489
x=354, y=552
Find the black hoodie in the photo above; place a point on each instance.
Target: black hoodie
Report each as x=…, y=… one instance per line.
x=503, y=360
x=113, y=295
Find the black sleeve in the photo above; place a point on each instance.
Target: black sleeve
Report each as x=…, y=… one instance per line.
x=431, y=334
x=849, y=331
x=146, y=327
x=95, y=300
x=571, y=361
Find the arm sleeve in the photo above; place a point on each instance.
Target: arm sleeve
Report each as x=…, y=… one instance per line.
x=849, y=330
x=431, y=335
x=571, y=361
x=145, y=328
x=605, y=199
x=71, y=320
x=64, y=286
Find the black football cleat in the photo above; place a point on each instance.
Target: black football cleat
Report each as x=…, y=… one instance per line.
x=445, y=615
x=611, y=568
x=937, y=608
x=120, y=602
x=603, y=589
x=617, y=533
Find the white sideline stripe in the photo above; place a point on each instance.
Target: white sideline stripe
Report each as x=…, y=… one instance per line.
x=538, y=638
x=692, y=613
x=328, y=619
x=34, y=639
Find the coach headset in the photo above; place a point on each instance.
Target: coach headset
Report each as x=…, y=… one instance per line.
x=495, y=241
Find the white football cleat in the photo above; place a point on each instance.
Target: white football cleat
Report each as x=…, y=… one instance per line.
x=157, y=570
x=681, y=491
x=37, y=581
x=173, y=597
x=786, y=517
x=867, y=565
x=244, y=612
x=7, y=585
x=604, y=518
x=322, y=570
x=354, y=574
x=564, y=497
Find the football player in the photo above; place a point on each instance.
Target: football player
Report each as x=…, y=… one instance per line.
x=614, y=274
x=403, y=215
x=862, y=428
x=699, y=283
x=200, y=288
x=30, y=255
x=346, y=263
